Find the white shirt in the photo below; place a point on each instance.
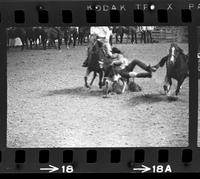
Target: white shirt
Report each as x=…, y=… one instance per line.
x=123, y=60
x=101, y=31
x=151, y=28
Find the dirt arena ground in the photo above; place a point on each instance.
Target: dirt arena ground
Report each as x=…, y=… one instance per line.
x=48, y=105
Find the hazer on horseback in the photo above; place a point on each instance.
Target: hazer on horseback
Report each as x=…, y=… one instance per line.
x=102, y=34
x=98, y=49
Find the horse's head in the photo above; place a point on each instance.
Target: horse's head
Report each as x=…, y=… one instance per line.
x=174, y=52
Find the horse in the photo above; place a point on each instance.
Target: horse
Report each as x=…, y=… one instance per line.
x=176, y=68
x=94, y=65
x=132, y=31
x=54, y=33
x=30, y=36
x=13, y=33
x=40, y=35
x=73, y=31
x=146, y=34
x=119, y=32
x=149, y=37
x=129, y=31
x=83, y=34
x=70, y=35
x=67, y=35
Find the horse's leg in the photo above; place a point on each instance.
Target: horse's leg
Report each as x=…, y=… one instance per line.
x=86, y=77
x=101, y=79
x=59, y=43
x=180, y=82
x=54, y=43
x=141, y=37
x=151, y=39
x=67, y=42
x=121, y=38
x=124, y=86
x=22, y=47
x=145, y=35
x=94, y=76
x=44, y=43
x=167, y=85
x=36, y=44
x=127, y=39
x=135, y=34
x=132, y=37
x=110, y=40
x=107, y=89
x=75, y=38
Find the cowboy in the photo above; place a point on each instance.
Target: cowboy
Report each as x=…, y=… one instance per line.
x=123, y=68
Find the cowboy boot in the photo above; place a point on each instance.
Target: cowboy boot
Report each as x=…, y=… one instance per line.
x=152, y=68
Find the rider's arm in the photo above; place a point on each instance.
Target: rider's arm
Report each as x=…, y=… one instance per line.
x=115, y=56
x=118, y=60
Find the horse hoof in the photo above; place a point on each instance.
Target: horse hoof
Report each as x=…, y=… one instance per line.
x=87, y=86
x=168, y=94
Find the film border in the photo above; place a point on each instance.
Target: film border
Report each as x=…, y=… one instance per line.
x=176, y=154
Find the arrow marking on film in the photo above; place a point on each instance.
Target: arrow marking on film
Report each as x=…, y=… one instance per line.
x=143, y=169
x=51, y=169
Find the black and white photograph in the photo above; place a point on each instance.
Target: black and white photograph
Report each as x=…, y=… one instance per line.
x=97, y=86
x=198, y=55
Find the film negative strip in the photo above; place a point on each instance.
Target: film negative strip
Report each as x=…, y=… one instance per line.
x=99, y=86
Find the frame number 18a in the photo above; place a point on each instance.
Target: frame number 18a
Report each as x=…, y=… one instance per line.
x=161, y=169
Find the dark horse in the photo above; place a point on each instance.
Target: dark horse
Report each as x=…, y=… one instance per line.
x=54, y=34
x=177, y=67
x=70, y=35
x=35, y=34
x=94, y=65
x=83, y=34
x=130, y=31
x=13, y=33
